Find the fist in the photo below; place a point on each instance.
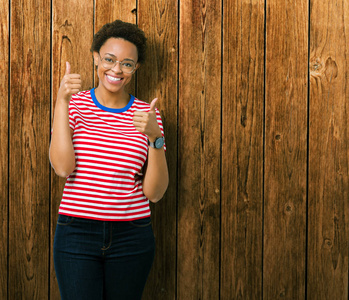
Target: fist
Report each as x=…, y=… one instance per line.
x=70, y=84
x=146, y=123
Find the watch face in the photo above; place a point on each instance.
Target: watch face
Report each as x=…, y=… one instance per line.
x=159, y=142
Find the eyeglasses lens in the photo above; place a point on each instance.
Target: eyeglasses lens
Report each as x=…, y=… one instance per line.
x=126, y=66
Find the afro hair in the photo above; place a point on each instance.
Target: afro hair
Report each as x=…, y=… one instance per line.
x=123, y=30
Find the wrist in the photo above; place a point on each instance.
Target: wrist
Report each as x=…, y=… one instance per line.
x=62, y=102
x=152, y=137
x=158, y=143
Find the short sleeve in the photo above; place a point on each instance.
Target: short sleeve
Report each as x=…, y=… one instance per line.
x=159, y=120
x=72, y=110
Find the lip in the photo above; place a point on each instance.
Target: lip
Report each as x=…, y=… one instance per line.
x=107, y=76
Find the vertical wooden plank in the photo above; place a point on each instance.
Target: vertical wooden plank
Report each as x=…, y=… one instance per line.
x=109, y=11
x=158, y=78
x=285, y=149
x=4, y=93
x=199, y=149
x=71, y=41
x=29, y=142
x=328, y=151
x=242, y=149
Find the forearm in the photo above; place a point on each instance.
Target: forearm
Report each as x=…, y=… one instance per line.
x=62, y=156
x=155, y=179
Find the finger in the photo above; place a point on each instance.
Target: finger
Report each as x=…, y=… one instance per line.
x=67, y=68
x=74, y=76
x=152, y=104
x=75, y=86
x=74, y=91
x=139, y=113
x=74, y=80
x=138, y=127
x=138, y=118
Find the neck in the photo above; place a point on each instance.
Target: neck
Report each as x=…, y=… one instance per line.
x=112, y=100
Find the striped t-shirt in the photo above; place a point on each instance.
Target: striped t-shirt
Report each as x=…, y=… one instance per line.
x=110, y=154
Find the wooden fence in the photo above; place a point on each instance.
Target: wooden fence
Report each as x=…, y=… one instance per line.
x=254, y=96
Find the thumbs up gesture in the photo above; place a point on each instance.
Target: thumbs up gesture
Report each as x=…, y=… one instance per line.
x=70, y=84
x=146, y=123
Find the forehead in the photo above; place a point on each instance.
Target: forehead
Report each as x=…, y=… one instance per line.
x=120, y=48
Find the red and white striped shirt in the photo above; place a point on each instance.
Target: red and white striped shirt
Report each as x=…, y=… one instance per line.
x=110, y=154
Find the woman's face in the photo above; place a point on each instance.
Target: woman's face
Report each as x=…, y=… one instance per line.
x=114, y=80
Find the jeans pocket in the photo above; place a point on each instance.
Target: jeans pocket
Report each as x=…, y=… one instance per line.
x=145, y=222
x=64, y=220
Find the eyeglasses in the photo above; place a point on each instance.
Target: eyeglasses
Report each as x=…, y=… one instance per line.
x=109, y=62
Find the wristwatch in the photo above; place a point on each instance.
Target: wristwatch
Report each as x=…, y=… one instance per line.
x=158, y=143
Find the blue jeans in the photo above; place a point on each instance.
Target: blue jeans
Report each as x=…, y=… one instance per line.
x=102, y=259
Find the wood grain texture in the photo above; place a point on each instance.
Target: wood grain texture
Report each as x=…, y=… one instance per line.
x=29, y=141
x=218, y=235
x=4, y=93
x=199, y=149
x=285, y=150
x=242, y=150
x=158, y=78
x=109, y=11
x=71, y=41
x=329, y=151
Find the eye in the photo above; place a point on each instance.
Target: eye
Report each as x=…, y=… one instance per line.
x=108, y=60
x=127, y=64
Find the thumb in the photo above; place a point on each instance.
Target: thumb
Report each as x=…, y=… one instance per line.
x=152, y=104
x=67, y=68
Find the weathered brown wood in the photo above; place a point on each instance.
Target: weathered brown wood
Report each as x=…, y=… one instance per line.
x=199, y=149
x=285, y=150
x=4, y=93
x=71, y=41
x=242, y=150
x=210, y=250
x=328, y=151
x=158, y=78
x=29, y=140
x=108, y=11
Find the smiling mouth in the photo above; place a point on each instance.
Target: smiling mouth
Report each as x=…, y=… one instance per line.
x=113, y=79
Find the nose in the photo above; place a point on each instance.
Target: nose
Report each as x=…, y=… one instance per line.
x=117, y=67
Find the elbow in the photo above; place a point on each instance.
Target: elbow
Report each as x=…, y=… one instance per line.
x=62, y=169
x=63, y=172
x=157, y=194
x=155, y=198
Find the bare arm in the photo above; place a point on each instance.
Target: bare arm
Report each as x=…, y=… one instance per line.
x=62, y=156
x=155, y=181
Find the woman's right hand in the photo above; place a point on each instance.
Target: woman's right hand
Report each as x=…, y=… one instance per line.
x=70, y=84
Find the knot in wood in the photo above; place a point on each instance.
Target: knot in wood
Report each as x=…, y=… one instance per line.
x=331, y=69
x=288, y=208
x=327, y=243
x=316, y=66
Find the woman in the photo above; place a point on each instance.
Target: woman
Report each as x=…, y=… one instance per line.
x=110, y=146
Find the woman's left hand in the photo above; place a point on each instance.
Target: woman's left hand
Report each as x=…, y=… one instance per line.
x=146, y=123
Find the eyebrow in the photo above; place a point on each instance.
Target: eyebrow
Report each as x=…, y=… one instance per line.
x=116, y=57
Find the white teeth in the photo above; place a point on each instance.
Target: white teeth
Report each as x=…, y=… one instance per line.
x=113, y=78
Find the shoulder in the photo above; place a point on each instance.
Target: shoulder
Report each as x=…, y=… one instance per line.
x=80, y=97
x=140, y=104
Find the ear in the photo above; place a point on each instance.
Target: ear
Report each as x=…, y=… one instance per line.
x=95, y=58
x=137, y=66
